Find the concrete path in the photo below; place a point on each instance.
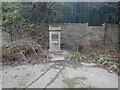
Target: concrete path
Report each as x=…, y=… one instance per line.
x=62, y=74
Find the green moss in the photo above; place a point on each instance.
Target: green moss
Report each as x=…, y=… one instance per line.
x=72, y=83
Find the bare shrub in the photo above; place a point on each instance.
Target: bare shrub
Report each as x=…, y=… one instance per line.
x=22, y=51
x=77, y=47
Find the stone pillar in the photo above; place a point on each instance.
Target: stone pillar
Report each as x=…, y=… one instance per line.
x=54, y=39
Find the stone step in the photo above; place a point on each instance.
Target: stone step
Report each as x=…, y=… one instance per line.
x=56, y=56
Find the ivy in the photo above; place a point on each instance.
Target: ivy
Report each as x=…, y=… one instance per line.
x=10, y=12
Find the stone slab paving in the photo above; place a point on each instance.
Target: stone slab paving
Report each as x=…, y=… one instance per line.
x=46, y=79
x=85, y=76
x=64, y=74
x=22, y=76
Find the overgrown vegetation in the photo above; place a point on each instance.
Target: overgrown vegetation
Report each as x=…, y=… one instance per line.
x=10, y=12
x=44, y=12
x=113, y=48
x=18, y=19
x=112, y=65
x=28, y=46
x=103, y=59
x=13, y=12
x=76, y=56
x=106, y=56
x=22, y=52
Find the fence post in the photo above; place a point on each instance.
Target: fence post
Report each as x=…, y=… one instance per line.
x=104, y=39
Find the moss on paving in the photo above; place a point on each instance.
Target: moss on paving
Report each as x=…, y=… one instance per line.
x=75, y=81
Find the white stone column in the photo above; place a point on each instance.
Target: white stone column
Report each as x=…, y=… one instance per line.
x=54, y=39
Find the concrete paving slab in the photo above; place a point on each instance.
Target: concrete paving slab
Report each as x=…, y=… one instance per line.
x=72, y=76
x=85, y=77
x=21, y=76
x=46, y=79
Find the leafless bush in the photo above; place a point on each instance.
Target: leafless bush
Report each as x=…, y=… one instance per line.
x=22, y=51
